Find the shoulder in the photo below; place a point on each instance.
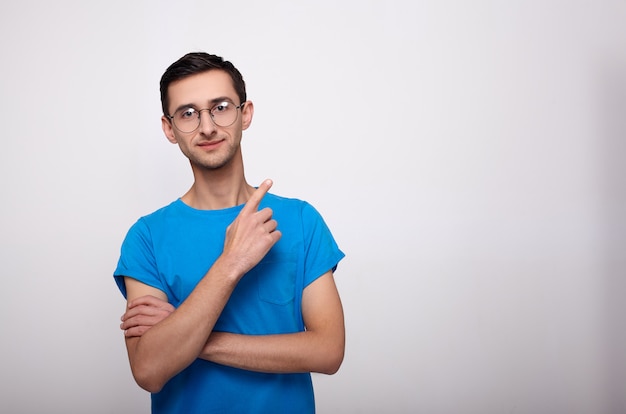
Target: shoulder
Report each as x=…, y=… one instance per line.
x=162, y=213
x=144, y=223
x=281, y=204
x=288, y=202
x=294, y=211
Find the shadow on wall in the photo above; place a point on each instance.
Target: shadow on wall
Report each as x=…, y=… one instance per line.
x=613, y=179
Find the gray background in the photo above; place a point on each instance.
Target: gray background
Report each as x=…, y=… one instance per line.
x=468, y=156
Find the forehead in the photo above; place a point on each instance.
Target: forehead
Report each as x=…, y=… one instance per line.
x=201, y=88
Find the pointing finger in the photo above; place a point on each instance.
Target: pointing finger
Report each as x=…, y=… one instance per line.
x=255, y=199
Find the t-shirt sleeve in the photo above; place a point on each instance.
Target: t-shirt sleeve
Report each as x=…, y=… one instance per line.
x=321, y=251
x=137, y=258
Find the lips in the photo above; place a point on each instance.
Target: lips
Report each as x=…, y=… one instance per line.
x=207, y=145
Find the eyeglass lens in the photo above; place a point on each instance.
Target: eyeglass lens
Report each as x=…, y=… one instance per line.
x=223, y=114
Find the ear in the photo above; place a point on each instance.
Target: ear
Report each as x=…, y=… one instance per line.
x=168, y=129
x=246, y=115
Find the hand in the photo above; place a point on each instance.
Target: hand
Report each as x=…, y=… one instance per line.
x=252, y=234
x=143, y=313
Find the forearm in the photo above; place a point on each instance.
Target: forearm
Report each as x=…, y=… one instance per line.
x=174, y=343
x=318, y=349
x=288, y=353
x=160, y=353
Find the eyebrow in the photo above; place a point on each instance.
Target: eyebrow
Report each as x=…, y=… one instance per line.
x=211, y=102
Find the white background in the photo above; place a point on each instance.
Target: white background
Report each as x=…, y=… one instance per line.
x=469, y=157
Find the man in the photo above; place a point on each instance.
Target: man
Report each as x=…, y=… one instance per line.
x=230, y=289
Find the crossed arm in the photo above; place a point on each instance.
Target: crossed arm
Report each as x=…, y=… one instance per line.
x=149, y=318
x=161, y=341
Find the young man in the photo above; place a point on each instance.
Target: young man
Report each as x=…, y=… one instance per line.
x=230, y=289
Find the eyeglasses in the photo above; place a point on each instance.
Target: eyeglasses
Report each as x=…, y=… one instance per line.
x=223, y=114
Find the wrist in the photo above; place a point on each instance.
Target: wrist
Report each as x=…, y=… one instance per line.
x=229, y=268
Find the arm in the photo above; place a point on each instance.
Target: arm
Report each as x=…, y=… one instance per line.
x=319, y=349
x=176, y=341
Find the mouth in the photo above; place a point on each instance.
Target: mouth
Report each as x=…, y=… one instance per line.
x=209, y=145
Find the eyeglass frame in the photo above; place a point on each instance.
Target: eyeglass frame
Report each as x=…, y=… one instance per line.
x=199, y=111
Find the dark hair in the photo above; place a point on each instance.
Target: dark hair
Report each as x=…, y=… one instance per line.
x=198, y=62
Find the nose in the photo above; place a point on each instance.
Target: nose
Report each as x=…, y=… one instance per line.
x=207, y=126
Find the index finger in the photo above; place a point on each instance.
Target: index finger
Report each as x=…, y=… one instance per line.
x=255, y=199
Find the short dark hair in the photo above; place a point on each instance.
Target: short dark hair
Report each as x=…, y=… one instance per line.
x=198, y=62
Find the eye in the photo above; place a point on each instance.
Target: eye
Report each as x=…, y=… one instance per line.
x=188, y=113
x=220, y=108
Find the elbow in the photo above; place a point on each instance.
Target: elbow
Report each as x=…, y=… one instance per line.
x=147, y=379
x=334, y=365
x=332, y=362
x=332, y=350
x=150, y=386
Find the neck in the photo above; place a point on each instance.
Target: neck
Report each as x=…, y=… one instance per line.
x=217, y=189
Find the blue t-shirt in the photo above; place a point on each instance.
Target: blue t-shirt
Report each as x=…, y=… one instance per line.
x=174, y=247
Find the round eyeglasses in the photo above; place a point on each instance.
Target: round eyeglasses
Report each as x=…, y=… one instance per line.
x=223, y=114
